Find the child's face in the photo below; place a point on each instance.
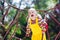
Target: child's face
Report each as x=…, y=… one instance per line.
x=32, y=14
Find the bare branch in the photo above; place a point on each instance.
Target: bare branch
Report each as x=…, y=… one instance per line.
x=57, y=35
x=14, y=31
x=12, y=23
x=54, y=19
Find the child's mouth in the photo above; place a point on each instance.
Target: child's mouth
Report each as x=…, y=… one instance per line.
x=32, y=15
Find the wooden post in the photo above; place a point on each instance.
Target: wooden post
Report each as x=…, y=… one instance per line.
x=6, y=13
x=48, y=35
x=14, y=31
x=12, y=23
x=57, y=36
x=54, y=19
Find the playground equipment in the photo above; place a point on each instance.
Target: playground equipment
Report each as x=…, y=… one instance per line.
x=16, y=18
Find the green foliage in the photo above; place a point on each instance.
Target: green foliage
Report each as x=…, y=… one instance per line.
x=40, y=4
x=12, y=13
x=26, y=38
x=22, y=19
x=11, y=31
x=18, y=31
x=0, y=14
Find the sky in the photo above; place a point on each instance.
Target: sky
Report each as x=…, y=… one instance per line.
x=17, y=1
x=29, y=3
x=24, y=3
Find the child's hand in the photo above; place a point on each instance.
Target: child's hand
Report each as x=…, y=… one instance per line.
x=28, y=31
x=43, y=30
x=27, y=35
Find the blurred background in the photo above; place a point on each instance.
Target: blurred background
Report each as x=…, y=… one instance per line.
x=13, y=18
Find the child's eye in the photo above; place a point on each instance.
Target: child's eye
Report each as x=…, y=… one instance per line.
x=32, y=12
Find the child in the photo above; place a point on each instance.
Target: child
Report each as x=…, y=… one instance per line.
x=36, y=25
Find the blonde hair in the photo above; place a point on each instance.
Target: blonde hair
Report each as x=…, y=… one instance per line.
x=32, y=10
x=35, y=12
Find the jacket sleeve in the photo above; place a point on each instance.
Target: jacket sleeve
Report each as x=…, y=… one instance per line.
x=43, y=25
x=28, y=31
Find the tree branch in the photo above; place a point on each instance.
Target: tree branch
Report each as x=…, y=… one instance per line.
x=54, y=19
x=12, y=23
x=57, y=35
x=14, y=31
x=6, y=13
